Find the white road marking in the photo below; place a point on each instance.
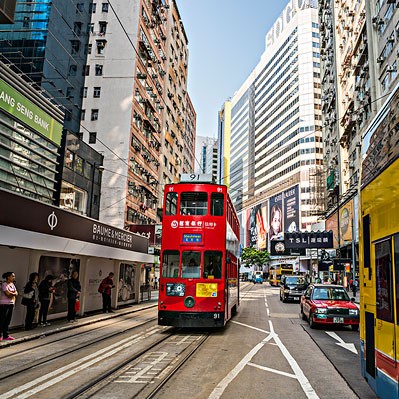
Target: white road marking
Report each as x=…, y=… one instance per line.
x=253, y=328
x=272, y=370
x=349, y=346
x=305, y=384
x=73, y=368
x=218, y=391
x=298, y=373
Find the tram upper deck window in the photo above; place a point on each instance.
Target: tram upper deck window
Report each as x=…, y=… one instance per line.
x=194, y=203
x=217, y=201
x=171, y=203
x=170, y=264
x=191, y=264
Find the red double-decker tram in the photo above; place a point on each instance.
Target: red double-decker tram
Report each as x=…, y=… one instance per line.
x=199, y=285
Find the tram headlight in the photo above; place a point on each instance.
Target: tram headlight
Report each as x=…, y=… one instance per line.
x=353, y=312
x=189, y=302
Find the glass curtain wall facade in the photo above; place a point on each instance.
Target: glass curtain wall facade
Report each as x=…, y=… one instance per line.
x=48, y=43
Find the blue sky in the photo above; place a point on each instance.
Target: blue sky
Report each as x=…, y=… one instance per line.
x=226, y=39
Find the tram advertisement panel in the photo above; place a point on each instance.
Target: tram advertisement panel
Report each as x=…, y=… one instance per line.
x=126, y=290
x=276, y=226
x=61, y=269
x=291, y=209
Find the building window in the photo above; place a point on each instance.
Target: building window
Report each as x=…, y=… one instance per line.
x=92, y=8
x=86, y=70
x=92, y=137
x=84, y=92
x=75, y=44
x=94, y=114
x=79, y=7
x=82, y=115
x=104, y=7
x=72, y=70
x=90, y=28
x=25, y=24
x=77, y=27
x=99, y=70
x=97, y=92
x=103, y=28
x=101, y=46
x=80, y=135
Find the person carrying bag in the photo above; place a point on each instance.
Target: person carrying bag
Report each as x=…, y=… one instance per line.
x=30, y=299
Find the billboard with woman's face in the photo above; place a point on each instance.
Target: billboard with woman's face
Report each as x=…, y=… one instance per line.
x=276, y=226
x=291, y=209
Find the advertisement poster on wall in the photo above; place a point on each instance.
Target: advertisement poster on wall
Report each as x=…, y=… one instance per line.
x=291, y=209
x=276, y=225
x=61, y=269
x=252, y=236
x=257, y=232
x=126, y=291
x=346, y=221
x=332, y=224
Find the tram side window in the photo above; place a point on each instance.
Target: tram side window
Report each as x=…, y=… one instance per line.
x=171, y=203
x=170, y=264
x=194, y=203
x=212, y=264
x=396, y=257
x=217, y=201
x=384, y=289
x=191, y=264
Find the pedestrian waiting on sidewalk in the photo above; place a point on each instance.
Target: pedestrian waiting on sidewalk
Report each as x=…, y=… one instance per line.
x=30, y=299
x=8, y=295
x=45, y=290
x=74, y=289
x=105, y=289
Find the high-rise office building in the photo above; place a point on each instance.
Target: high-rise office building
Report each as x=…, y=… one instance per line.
x=276, y=146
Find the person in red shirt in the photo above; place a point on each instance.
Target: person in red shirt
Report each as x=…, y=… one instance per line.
x=107, y=284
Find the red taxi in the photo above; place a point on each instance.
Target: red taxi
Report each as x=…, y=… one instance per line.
x=327, y=304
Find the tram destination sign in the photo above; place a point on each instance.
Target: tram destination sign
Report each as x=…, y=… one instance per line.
x=309, y=239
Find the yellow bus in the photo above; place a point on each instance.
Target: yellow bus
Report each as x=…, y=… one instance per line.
x=276, y=271
x=379, y=250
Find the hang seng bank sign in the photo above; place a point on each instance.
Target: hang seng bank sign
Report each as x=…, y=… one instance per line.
x=27, y=112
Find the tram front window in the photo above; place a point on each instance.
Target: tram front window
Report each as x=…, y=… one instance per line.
x=212, y=264
x=191, y=264
x=170, y=264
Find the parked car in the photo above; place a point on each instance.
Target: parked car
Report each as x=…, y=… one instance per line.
x=326, y=304
x=292, y=287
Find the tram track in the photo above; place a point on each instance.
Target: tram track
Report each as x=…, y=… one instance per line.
x=94, y=389
x=73, y=333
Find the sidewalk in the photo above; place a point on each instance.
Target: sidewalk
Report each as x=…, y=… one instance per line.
x=59, y=325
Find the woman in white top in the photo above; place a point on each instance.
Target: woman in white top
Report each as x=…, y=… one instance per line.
x=8, y=294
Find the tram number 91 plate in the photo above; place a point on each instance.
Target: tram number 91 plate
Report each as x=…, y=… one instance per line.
x=338, y=320
x=175, y=289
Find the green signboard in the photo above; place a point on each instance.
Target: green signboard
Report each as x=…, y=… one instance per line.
x=24, y=110
x=331, y=180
